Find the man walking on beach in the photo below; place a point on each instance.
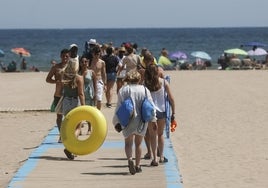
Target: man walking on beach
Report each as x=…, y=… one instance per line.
x=55, y=77
x=98, y=66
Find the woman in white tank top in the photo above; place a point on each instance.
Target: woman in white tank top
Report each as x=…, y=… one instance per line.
x=158, y=87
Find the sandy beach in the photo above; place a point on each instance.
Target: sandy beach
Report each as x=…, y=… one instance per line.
x=221, y=140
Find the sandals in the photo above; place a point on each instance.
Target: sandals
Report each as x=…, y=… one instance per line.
x=147, y=156
x=138, y=169
x=165, y=160
x=154, y=163
x=68, y=154
x=131, y=167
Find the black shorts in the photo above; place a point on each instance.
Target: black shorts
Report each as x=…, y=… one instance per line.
x=160, y=115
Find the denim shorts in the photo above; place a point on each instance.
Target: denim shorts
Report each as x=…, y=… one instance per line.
x=111, y=76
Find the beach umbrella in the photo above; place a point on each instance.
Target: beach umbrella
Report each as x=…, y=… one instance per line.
x=201, y=55
x=257, y=52
x=178, y=55
x=236, y=51
x=21, y=51
x=2, y=53
x=257, y=44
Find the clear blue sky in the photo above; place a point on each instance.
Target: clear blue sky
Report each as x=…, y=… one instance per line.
x=132, y=13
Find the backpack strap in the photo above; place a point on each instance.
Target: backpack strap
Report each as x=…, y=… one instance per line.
x=145, y=91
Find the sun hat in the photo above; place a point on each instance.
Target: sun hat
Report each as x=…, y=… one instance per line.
x=92, y=41
x=73, y=45
x=122, y=49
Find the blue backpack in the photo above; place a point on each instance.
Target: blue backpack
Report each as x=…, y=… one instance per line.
x=147, y=109
x=125, y=111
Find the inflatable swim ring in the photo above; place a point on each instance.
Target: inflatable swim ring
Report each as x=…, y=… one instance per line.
x=98, y=132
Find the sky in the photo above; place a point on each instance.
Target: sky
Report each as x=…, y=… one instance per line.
x=61, y=14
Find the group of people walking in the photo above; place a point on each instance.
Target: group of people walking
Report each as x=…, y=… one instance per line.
x=84, y=80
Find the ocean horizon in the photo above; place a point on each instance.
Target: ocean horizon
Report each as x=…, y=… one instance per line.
x=46, y=44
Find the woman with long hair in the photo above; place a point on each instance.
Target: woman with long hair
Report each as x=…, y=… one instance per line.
x=73, y=93
x=158, y=87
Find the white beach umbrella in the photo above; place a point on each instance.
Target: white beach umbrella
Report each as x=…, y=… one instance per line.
x=257, y=52
x=201, y=54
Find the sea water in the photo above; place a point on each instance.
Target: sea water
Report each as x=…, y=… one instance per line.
x=46, y=44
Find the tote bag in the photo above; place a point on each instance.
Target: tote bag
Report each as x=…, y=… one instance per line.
x=147, y=109
x=125, y=111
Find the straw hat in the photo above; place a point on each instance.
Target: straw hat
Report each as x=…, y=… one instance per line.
x=122, y=49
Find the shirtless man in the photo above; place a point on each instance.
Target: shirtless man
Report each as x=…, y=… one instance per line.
x=54, y=77
x=98, y=66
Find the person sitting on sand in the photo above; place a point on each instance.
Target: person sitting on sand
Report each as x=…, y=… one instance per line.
x=34, y=69
x=247, y=63
x=164, y=60
x=235, y=62
x=11, y=67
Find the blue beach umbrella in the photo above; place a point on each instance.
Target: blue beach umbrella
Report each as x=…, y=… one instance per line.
x=201, y=55
x=2, y=53
x=257, y=44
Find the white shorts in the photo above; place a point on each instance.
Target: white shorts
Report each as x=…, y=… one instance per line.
x=99, y=91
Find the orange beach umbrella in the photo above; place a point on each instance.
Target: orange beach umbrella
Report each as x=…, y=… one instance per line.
x=21, y=52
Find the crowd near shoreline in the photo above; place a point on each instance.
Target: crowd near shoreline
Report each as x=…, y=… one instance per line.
x=168, y=60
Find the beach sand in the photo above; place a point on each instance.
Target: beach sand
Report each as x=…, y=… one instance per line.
x=221, y=140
